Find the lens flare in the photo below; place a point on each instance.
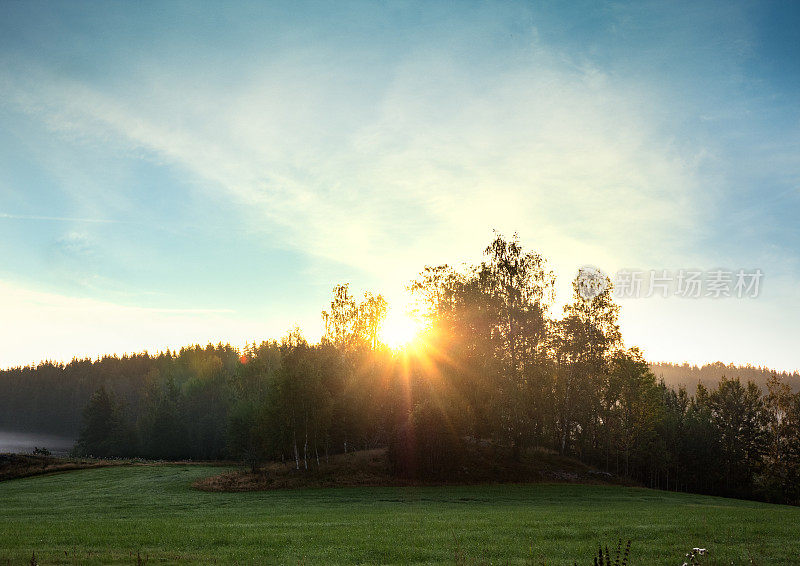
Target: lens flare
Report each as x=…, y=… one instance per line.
x=399, y=329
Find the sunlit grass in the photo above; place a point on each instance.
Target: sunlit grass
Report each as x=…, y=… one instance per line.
x=108, y=515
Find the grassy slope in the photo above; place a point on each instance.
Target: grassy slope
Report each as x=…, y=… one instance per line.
x=104, y=515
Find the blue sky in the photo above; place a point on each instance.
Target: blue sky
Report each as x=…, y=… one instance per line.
x=184, y=172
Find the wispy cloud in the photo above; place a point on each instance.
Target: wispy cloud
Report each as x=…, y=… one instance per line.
x=75, y=244
x=559, y=152
x=58, y=218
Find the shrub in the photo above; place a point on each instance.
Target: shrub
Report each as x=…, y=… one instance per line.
x=427, y=444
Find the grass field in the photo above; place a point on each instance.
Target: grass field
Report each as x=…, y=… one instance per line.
x=109, y=514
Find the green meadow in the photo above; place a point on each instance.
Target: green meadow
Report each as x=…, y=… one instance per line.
x=109, y=515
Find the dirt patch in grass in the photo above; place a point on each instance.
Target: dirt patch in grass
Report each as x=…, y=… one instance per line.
x=370, y=468
x=366, y=468
x=14, y=466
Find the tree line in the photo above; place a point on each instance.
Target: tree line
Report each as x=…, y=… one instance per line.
x=709, y=375
x=494, y=367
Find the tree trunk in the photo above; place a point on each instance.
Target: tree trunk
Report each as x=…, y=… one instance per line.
x=305, y=451
x=296, y=453
x=516, y=448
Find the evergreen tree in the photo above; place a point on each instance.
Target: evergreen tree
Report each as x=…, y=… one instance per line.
x=104, y=432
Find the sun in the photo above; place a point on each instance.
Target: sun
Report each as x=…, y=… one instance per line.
x=399, y=329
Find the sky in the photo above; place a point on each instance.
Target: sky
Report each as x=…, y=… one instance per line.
x=185, y=172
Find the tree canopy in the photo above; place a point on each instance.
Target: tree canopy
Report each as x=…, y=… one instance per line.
x=493, y=365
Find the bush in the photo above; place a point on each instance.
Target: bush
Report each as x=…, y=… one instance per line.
x=427, y=444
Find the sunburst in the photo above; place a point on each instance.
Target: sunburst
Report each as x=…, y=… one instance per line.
x=399, y=329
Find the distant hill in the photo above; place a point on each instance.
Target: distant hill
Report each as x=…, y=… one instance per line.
x=710, y=374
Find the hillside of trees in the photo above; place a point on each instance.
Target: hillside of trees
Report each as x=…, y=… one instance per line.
x=494, y=367
x=709, y=375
